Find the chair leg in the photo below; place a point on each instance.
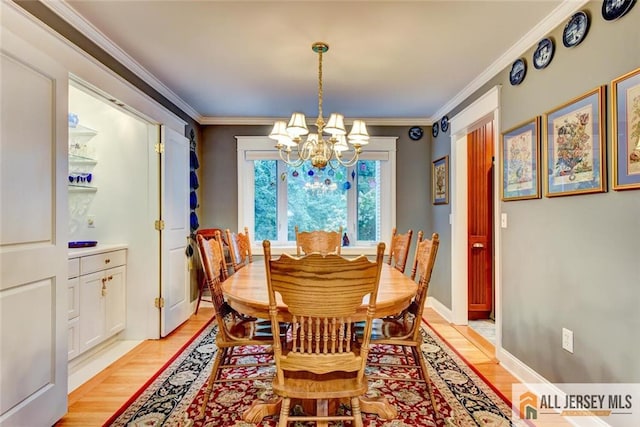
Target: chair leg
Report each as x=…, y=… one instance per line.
x=355, y=412
x=200, y=291
x=284, y=412
x=220, y=356
x=417, y=353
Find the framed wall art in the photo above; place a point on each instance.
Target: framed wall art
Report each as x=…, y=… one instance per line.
x=520, y=161
x=625, y=106
x=440, y=181
x=574, y=146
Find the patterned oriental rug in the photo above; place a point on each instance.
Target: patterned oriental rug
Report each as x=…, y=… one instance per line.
x=174, y=395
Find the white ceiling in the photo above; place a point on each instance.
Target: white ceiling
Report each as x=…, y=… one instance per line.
x=244, y=61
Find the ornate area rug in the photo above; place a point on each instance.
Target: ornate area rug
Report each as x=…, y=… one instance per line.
x=174, y=396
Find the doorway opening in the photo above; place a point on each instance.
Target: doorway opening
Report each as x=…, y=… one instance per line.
x=484, y=110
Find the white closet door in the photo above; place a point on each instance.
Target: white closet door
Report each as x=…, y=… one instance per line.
x=174, y=190
x=33, y=234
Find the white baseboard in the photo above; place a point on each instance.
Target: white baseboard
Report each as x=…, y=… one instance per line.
x=539, y=385
x=439, y=308
x=88, y=365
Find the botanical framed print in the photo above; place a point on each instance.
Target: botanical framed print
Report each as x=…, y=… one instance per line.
x=520, y=161
x=440, y=181
x=574, y=146
x=625, y=103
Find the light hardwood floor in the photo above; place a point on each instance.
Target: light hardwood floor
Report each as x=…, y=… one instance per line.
x=94, y=402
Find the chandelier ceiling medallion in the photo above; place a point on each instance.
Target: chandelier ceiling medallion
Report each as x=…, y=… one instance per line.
x=321, y=150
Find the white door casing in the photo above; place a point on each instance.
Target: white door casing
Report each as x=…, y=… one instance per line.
x=174, y=202
x=33, y=235
x=483, y=110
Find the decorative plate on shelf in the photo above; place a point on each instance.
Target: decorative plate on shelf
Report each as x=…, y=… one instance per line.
x=543, y=54
x=444, y=123
x=415, y=133
x=576, y=29
x=518, y=71
x=434, y=129
x=616, y=9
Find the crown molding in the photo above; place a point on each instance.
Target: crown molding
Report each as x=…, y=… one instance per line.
x=66, y=12
x=374, y=121
x=548, y=24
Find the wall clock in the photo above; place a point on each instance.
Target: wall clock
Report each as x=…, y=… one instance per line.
x=518, y=71
x=543, y=54
x=434, y=129
x=444, y=124
x=415, y=133
x=576, y=29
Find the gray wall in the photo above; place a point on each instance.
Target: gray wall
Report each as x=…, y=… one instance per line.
x=570, y=261
x=218, y=176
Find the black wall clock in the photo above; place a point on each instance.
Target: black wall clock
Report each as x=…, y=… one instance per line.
x=415, y=133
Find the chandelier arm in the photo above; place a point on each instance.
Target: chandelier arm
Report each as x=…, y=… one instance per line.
x=349, y=162
x=287, y=160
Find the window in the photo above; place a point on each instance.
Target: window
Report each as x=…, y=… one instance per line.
x=275, y=197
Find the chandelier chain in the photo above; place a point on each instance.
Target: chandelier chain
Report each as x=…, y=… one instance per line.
x=320, y=120
x=320, y=150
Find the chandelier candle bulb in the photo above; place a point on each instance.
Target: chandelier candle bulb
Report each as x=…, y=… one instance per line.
x=319, y=150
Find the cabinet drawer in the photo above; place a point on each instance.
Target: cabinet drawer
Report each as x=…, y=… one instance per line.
x=90, y=264
x=74, y=268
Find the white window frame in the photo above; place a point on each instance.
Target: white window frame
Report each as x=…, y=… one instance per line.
x=251, y=148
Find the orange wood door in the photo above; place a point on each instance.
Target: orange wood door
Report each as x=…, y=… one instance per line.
x=480, y=213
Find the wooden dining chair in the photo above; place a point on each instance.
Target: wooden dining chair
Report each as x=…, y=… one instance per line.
x=323, y=242
x=404, y=329
x=399, y=249
x=239, y=248
x=210, y=233
x=234, y=329
x=321, y=360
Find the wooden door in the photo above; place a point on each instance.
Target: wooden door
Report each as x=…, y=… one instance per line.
x=174, y=210
x=33, y=232
x=480, y=213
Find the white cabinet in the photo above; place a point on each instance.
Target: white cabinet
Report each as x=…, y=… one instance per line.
x=73, y=308
x=101, y=285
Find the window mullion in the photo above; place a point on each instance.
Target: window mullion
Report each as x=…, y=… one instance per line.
x=282, y=202
x=352, y=206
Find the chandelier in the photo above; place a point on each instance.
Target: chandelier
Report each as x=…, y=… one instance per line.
x=296, y=145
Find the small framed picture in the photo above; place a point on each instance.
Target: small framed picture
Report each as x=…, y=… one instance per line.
x=625, y=105
x=574, y=146
x=440, y=181
x=520, y=161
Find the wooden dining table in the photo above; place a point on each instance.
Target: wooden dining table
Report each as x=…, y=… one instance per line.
x=246, y=292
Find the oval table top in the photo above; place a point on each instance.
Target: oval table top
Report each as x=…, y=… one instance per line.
x=246, y=291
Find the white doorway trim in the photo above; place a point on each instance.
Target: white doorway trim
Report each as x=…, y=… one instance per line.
x=483, y=110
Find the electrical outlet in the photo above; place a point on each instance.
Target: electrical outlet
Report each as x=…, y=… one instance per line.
x=567, y=340
x=503, y=220
x=91, y=221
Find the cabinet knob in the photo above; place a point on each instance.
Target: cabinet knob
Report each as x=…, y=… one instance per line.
x=107, y=261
